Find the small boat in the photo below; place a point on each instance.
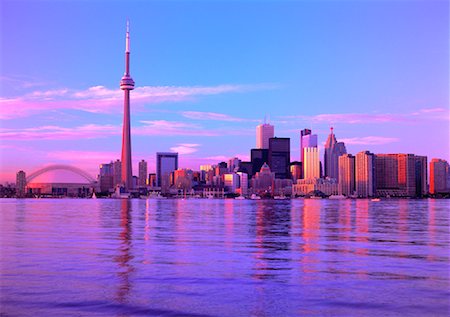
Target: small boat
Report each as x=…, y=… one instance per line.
x=240, y=198
x=337, y=197
x=375, y=199
x=255, y=197
x=282, y=197
x=315, y=197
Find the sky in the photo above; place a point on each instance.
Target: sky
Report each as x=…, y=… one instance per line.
x=208, y=72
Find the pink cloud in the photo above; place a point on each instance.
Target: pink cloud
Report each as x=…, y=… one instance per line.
x=185, y=148
x=88, y=131
x=220, y=158
x=93, y=131
x=99, y=99
x=85, y=156
x=370, y=140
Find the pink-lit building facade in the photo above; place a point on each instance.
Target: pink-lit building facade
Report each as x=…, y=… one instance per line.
x=400, y=175
x=264, y=132
x=365, y=174
x=439, y=175
x=346, y=175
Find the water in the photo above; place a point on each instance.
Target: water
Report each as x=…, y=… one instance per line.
x=224, y=258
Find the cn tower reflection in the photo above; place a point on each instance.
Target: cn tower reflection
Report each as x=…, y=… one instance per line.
x=124, y=256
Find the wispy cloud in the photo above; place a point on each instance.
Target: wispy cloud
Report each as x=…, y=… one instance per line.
x=349, y=118
x=99, y=99
x=93, y=131
x=366, y=118
x=89, y=131
x=220, y=158
x=22, y=81
x=164, y=127
x=198, y=115
x=85, y=156
x=369, y=140
x=185, y=148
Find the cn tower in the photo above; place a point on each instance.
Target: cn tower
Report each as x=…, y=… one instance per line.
x=127, y=84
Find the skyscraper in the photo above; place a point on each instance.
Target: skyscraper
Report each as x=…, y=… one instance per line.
x=166, y=163
x=21, y=184
x=142, y=173
x=407, y=174
x=233, y=164
x=106, y=177
x=243, y=183
x=333, y=149
x=263, y=133
x=280, y=157
x=311, y=163
x=365, y=174
x=421, y=169
x=127, y=84
x=258, y=157
x=396, y=175
x=439, y=170
x=346, y=184
x=306, y=140
x=117, y=166
x=296, y=171
x=386, y=174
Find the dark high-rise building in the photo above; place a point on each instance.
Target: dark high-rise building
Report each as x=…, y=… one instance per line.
x=106, y=177
x=333, y=149
x=166, y=163
x=280, y=157
x=246, y=167
x=142, y=181
x=21, y=184
x=258, y=157
x=421, y=168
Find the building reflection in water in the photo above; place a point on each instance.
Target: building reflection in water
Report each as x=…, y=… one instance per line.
x=362, y=226
x=229, y=224
x=310, y=235
x=124, y=257
x=432, y=210
x=272, y=240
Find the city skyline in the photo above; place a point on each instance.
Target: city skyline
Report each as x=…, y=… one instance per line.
x=64, y=118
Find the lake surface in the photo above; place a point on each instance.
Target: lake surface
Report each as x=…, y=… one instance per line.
x=77, y=257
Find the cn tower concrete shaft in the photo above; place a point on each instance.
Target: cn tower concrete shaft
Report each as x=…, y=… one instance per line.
x=127, y=84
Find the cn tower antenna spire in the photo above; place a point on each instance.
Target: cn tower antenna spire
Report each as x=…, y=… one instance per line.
x=127, y=44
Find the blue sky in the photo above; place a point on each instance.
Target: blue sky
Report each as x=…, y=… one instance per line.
x=207, y=72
